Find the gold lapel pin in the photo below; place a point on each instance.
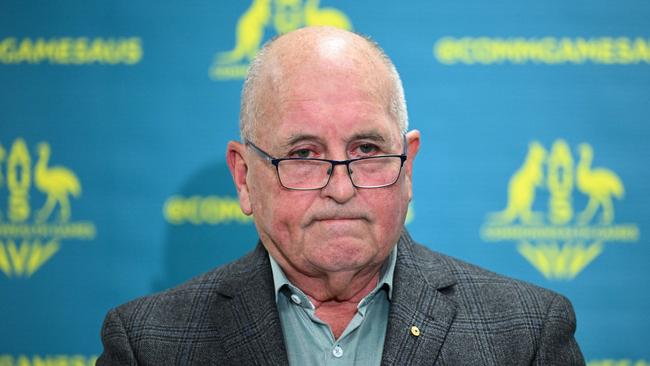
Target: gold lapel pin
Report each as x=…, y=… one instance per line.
x=415, y=331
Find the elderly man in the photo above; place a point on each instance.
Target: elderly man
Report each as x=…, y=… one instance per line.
x=325, y=166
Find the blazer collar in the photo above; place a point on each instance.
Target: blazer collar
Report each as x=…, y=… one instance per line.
x=421, y=314
x=418, y=301
x=254, y=334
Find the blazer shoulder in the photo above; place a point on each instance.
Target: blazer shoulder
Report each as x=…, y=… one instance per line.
x=203, y=321
x=480, y=290
x=208, y=289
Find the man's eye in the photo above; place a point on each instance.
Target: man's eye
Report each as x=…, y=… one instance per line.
x=367, y=149
x=302, y=153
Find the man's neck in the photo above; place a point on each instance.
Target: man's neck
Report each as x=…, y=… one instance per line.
x=335, y=296
x=338, y=287
x=337, y=312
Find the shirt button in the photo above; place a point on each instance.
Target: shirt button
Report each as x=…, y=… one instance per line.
x=337, y=351
x=296, y=299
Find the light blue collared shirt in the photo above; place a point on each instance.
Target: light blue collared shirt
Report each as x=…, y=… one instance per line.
x=310, y=341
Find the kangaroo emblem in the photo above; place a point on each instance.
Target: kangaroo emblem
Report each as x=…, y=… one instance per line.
x=521, y=190
x=249, y=33
x=287, y=15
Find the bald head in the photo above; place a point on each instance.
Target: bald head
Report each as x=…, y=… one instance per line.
x=285, y=61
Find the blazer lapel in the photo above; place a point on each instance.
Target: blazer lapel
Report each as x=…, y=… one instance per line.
x=420, y=314
x=254, y=334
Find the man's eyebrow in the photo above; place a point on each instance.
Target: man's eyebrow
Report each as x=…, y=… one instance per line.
x=372, y=136
x=294, y=139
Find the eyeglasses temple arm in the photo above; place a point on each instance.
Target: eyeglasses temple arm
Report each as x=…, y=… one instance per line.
x=259, y=151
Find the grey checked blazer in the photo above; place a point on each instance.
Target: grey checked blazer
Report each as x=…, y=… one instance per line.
x=466, y=316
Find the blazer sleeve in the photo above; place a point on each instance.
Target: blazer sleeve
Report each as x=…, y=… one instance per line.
x=117, y=348
x=557, y=344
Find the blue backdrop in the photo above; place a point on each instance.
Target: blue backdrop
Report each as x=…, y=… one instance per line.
x=114, y=118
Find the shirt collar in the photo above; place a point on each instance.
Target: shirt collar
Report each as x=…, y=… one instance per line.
x=280, y=280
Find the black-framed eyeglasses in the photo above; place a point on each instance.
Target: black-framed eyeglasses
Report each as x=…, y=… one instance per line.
x=311, y=173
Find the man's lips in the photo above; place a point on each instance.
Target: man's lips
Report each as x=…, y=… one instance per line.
x=338, y=218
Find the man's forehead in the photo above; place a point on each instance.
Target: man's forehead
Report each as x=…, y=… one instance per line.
x=320, y=43
x=332, y=78
x=322, y=51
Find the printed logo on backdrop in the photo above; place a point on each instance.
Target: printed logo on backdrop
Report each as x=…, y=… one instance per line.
x=71, y=51
x=47, y=360
x=278, y=16
x=204, y=210
x=33, y=226
x=543, y=50
x=560, y=211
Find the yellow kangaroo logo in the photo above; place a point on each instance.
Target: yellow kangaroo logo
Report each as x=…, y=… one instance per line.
x=249, y=33
x=287, y=15
x=521, y=190
x=563, y=246
x=55, y=182
x=251, y=24
x=23, y=254
x=599, y=185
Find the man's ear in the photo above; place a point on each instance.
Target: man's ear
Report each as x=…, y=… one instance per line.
x=239, y=169
x=413, y=142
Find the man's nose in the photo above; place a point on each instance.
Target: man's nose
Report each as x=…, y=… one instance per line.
x=339, y=187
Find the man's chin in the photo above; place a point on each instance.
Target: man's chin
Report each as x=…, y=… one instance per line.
x=339, y=233
x=342, y=255
x=331, y=267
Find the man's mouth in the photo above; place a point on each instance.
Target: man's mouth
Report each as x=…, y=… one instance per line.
x=338, y=219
